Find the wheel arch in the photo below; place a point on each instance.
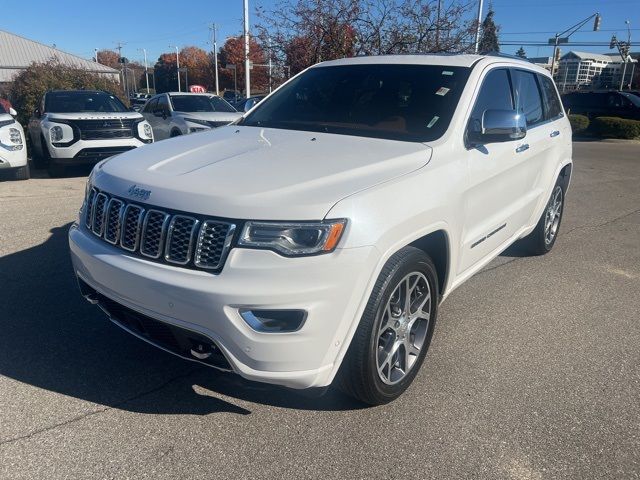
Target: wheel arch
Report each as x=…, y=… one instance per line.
x=436, y=245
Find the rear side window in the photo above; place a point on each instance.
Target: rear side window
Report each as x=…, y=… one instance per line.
x=551, y=100
x=528, y=99
x=495, y=94
x=163, y=104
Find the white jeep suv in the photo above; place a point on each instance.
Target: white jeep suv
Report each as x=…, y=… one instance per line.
x=315, y=239
x=80, y=127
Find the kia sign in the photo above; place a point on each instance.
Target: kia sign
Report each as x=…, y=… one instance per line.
x=197, y=89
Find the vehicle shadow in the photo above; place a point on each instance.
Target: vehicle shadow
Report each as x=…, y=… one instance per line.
x=52, y=339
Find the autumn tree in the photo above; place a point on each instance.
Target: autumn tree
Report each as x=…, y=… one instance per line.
x=30, y=84
x=232, y=52
x=198, y=63
x=304, y=32
x=109, y=58
x=489, y=38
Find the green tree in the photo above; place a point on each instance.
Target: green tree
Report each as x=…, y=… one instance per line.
x=521, y=53
x=489, y=38
x=31, y=84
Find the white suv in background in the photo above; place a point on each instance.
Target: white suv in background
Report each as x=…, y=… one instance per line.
x=315, y=239
x=13, y=148
x=176, y=113
x=80, y=127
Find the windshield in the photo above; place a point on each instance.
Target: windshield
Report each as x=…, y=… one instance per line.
x=73, y=102
x=199, y=103
x=401, y=102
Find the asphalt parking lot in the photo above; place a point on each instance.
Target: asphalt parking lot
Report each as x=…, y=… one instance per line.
x=533, y=373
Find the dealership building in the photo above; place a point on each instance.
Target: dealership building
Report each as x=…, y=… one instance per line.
x=17, y=53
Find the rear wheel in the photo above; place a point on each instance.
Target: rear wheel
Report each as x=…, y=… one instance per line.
x=395, y=331
x=544, y=236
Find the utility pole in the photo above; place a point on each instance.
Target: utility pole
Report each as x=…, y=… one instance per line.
x=146, y=67
x=270, y=65
x=177, y=64
x=246, y=50
x=121, y=60
x=213, y=29
x=478, y=26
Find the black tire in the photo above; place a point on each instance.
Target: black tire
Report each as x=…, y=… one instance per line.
x=538, y=241
x=359, y=376
x=22, y=173
x=175, y=133
x=39, y=160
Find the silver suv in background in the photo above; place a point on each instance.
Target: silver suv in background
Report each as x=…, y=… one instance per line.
x=172, y=114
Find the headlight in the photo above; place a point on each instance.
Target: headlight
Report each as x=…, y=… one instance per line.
x=55, y=133
x=293, y=239
x=15, y=136
x=147, y=130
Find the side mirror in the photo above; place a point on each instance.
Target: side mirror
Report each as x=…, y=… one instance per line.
x=12, y=112
x=160, y=113
x=36, y=113
x=502, y=126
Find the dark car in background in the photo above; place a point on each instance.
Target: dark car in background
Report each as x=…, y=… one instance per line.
x=248, y=103
x=603, y=104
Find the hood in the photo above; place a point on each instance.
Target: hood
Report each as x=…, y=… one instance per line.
x=256, y=173
x=212, y=116
x=93, y=116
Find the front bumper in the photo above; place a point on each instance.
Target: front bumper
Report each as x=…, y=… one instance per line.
x=91, y=151
x=13, y=158
x=331, y=288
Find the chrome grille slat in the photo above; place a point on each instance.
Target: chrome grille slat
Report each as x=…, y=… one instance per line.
x=174, y=238
x=213, y=242
x=153, y=232
x=98, y=212
x=131, y=226
x=180, y=238
x=113, y=220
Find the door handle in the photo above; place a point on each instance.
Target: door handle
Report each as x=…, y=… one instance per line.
x=522, y=148
x=555, y=133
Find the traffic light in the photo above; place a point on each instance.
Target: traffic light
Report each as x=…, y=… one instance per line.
x=597, y=22
x=613, y=42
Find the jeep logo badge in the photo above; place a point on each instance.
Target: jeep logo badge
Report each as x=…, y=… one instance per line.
x=141, y=193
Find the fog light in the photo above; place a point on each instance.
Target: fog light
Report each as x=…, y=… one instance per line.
x=274, y=321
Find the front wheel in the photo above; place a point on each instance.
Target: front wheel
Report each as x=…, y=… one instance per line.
x=22, y=173
x=395, y=331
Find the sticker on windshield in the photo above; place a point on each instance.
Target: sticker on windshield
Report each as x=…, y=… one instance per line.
x=433, y=121
x=447, y=72
x=442, y=91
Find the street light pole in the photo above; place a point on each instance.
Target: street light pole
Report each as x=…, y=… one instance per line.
x=246, y=50
x=215, y=56
x=146, y=68
x=177, y=64
x=624, y=60
x=478, y=26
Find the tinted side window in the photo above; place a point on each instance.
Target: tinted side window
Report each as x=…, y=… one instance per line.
x=552, y=102
x=151, y=105
x=163, y=103
x=495, y=94
x=528, y=100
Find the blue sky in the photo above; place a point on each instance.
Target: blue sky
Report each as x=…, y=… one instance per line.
x=79, y=27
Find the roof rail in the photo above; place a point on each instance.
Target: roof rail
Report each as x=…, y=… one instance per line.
x=506, y=55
